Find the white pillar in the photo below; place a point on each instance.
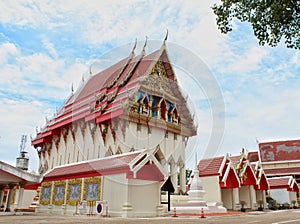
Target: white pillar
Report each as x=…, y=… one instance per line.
x=264, y=198
x=173, y=174
x=182, y=179
x=253, y=198
x=20, y=197
x=236, y=199
x=10, y=195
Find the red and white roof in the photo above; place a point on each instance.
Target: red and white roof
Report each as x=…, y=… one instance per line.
x=106, y=94
x=287, y=182
x=279, y=151
x=262, y=182
x=139, y=165
x=244, y=169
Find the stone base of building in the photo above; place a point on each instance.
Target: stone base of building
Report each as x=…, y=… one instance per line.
x=193, y=208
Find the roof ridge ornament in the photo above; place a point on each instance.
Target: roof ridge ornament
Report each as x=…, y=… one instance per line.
x=145, y=44
x=134, y=46
x=166, y=37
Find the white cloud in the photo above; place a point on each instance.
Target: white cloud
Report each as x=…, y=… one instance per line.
x=7, y=50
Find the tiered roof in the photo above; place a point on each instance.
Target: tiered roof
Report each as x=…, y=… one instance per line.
x=109, y=94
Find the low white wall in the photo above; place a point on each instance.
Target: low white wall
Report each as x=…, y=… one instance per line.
x=212, y=188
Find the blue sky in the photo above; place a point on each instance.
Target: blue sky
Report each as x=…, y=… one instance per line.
x=45, y=46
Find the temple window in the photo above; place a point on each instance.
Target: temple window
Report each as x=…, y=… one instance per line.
x=143, y=105
x=173, y=115
x=155, y=105
x=163, y=110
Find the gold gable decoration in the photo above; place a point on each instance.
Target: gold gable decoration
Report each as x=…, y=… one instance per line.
x=45, y=193
x=59, y=192
x=92, y=188
x=74, y=191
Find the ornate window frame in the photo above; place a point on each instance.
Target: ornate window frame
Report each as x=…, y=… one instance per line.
x=70, y=182
x=56, y=184
x=47, y=201
x=92, y=180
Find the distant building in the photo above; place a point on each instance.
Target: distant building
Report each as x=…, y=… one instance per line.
x=116, y=139
x=281, y=161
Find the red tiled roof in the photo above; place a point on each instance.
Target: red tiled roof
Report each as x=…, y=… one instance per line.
x=287, y=182
x=279, y=151
x=234, y=159
x=219, y=166
x=129, y=163
x=99, y=167
x=210, y=167
x=282, y=171
x=253, y=156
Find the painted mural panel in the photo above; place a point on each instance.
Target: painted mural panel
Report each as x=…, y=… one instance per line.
x=280, y=151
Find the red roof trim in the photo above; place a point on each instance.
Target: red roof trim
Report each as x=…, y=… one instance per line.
x=110, y=115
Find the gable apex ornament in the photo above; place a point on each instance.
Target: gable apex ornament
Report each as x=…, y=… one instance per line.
x=166, y=37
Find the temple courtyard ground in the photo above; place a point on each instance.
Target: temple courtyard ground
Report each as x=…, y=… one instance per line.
x=282, y=216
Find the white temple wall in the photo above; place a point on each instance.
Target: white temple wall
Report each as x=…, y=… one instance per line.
x=149, y=191
x=115, y=190
x=227, y=198
x=282, y=195
x=88, y=143
x=79, y=145
x=124, y=196
x=212, y=188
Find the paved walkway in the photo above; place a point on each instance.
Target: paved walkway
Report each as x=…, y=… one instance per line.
x=268, y=217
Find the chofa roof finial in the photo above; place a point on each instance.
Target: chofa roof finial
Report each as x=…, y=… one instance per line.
x=166, y=37
x=134, y=46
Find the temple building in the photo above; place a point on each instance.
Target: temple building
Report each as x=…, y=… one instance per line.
x=116, y=139
x=281, y=163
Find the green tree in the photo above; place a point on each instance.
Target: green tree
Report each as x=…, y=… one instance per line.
x=271, y=20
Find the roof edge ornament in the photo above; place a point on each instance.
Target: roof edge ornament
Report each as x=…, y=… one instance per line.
x=134, y=46
x=145, y=44
x=166, y=37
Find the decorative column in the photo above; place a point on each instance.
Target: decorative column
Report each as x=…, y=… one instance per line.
x=182, y=178
x=1, y=196
x=21, y=192
x=10, y=195
x=173, y=175
x=265, y=205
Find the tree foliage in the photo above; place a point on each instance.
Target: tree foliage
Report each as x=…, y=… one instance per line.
x=271, y=20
